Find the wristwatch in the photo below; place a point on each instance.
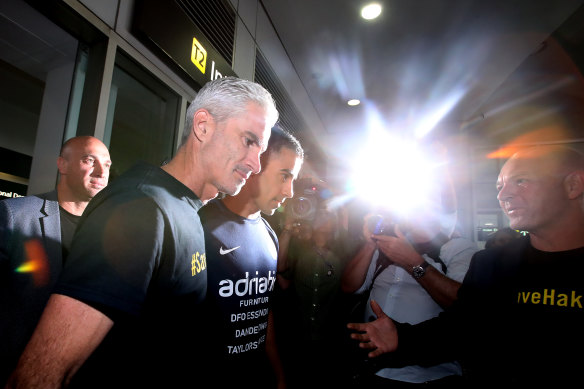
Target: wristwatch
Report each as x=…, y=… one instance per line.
x=419, y=270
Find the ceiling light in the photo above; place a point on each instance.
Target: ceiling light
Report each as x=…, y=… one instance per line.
x=371, y=11
x=353, y=102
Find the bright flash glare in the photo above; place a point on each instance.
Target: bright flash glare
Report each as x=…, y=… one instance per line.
x=353, y=102
x=28, y=267
x=392, y=173
x=371, y=11
x=431, y=119
x=36, y=263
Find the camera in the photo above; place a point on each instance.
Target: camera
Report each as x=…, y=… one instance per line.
x=309, y=197
x=378, y=225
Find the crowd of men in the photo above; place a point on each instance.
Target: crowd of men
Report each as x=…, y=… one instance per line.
x=167, y=277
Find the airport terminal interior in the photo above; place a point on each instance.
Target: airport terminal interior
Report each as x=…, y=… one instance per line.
x=424, y=243
x=364, y=96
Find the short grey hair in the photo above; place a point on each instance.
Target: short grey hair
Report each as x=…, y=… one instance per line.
x=228, y=97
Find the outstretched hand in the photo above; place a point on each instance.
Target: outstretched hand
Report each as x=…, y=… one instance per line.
x=379, y=335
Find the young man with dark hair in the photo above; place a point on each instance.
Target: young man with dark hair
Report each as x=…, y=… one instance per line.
x=242, y=253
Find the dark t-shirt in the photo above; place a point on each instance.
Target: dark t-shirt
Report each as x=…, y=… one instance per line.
x=68, y=224
x=518, y=319
x=139, y=257
x=241, y=258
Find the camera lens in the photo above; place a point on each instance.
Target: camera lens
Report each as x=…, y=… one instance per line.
x=375, y=224
x=301, y=207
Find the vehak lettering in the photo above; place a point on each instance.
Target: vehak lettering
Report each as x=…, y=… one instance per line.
x=550, y=297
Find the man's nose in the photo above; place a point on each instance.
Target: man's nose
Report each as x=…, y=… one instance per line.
x=288, y=191
x=504, y=193
x=100, y=169
x=254, y=162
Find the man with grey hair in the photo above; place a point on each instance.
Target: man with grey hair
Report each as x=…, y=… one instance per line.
x=126, y=311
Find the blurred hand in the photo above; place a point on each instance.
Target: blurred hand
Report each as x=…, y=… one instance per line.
x=291, y=224
x=399, y=249
x=368, y=234
x=297, y=228
x=379, y=335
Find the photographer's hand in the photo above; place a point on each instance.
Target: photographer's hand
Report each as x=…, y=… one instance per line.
x=379, y=335
x=367, y=233
x=291, y=224
x=442, y=289
x=399, y=249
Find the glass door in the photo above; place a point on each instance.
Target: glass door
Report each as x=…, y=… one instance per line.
x=36, y=62
x=142, y=117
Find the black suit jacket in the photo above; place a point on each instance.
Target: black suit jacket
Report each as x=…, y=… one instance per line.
x=30, y=262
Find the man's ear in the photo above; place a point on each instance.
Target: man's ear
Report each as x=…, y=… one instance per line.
x=61, y=165
x=574, y=184
x=202, y=124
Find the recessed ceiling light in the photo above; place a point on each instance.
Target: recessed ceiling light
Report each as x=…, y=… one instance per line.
x=353, y=102
x=371, y=11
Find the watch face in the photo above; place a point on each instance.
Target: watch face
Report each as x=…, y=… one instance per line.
x=418, y=272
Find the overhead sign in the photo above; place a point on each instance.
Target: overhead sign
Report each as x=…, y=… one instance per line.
x=14, y=173
x=11, y=190
x=179, y=39
x=199, y=56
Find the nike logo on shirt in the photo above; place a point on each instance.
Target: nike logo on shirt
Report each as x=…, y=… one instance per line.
x=222, y=251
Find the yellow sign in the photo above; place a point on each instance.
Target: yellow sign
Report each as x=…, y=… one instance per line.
x=199, y=56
